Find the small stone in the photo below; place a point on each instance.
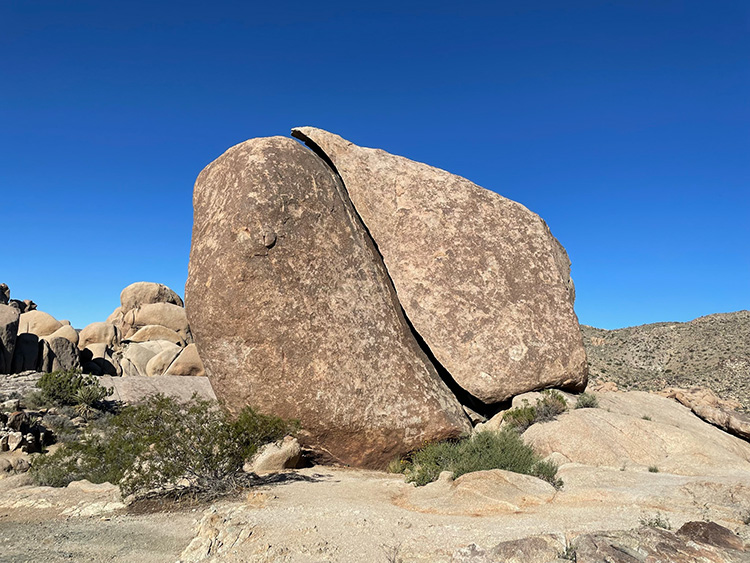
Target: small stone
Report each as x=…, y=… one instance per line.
x=15, y=439
x=20, y=464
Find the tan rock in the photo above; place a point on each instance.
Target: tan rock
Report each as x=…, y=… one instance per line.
x=277, y=456
x=65, y=331
x=136, y=356
x=136, y=389
x=479, y=493
x=38, y=322
x=139, y=294
x=156, y=332
x=98, y=359
x=708, y=406
x=187, y=363
x=293, y=312
x=98, y=332
x=640, y=430
x=165, y=314
x=160, y=362
x=480, y=277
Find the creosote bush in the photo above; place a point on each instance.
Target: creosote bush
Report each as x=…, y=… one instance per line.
x=70, y=388
x=194, y=448
x=548, y=407
x=486, y=450
x=587, y=401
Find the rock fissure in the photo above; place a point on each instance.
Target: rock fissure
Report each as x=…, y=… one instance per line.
x=463, y=396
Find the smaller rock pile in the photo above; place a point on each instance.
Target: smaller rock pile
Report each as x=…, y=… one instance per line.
x=148, y=335
x=21, y=432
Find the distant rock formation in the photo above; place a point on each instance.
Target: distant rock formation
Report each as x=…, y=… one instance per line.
x=335, y=285
x=151, y=318
x=711, y=351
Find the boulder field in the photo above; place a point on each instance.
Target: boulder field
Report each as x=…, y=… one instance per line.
x=150, y=323
x=371, y=296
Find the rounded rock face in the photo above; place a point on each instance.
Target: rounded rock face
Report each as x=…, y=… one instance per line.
x=139, y=294
x=38, y=322
x=293, y=312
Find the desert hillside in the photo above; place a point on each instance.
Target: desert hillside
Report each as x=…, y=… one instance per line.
x=711, y=351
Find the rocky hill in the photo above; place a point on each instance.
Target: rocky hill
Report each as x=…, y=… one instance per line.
x=711, y=351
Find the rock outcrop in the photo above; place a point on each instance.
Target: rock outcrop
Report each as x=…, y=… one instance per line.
x=8, y=332
x=480, y=277
x=294, y=313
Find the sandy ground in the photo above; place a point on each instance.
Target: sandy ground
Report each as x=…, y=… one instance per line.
x=316, y=514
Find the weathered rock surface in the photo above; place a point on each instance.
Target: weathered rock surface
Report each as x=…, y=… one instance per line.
x=26, y=353
x=9, y=317
x=135, y=389
x=65, y=331
x=164, y=314
x=479, y=493
x=705, y=404
x=58, y=354
x=186, y=363
x=640, y=430
x=4, y=294
x=136, y=356
x=277, y=456
x=480, y=277
x=95, y=333
x=293, y=312
x=98, y=359
x=38, y=322
x=156, y=332
x=160, y=362
x=138, y=294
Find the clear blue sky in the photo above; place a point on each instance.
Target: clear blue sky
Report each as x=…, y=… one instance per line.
x=625, y=125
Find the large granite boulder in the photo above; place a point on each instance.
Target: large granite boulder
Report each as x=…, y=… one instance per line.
x=138, y=294
x=8, y=331
x=38, y=322
x=188, y=362
x=167, y=315
x=4, y=294
x=99, y=333
x=481, y=278
x=26, y=353
x=58, y=354
x=294, y=313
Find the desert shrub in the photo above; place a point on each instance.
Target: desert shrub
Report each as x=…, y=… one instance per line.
x=487, y=450
x=520, y=418
x=587, y=401
x=547, y=408
x=69, y=388
x=192, y=447
x=653, y=469
x=656, y=521
x=551, y=404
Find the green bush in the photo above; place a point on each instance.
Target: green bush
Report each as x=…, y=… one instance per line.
x=162, y=444
x=548, y=407
x=587, y=401
x=486, y=450
x=70, y=388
